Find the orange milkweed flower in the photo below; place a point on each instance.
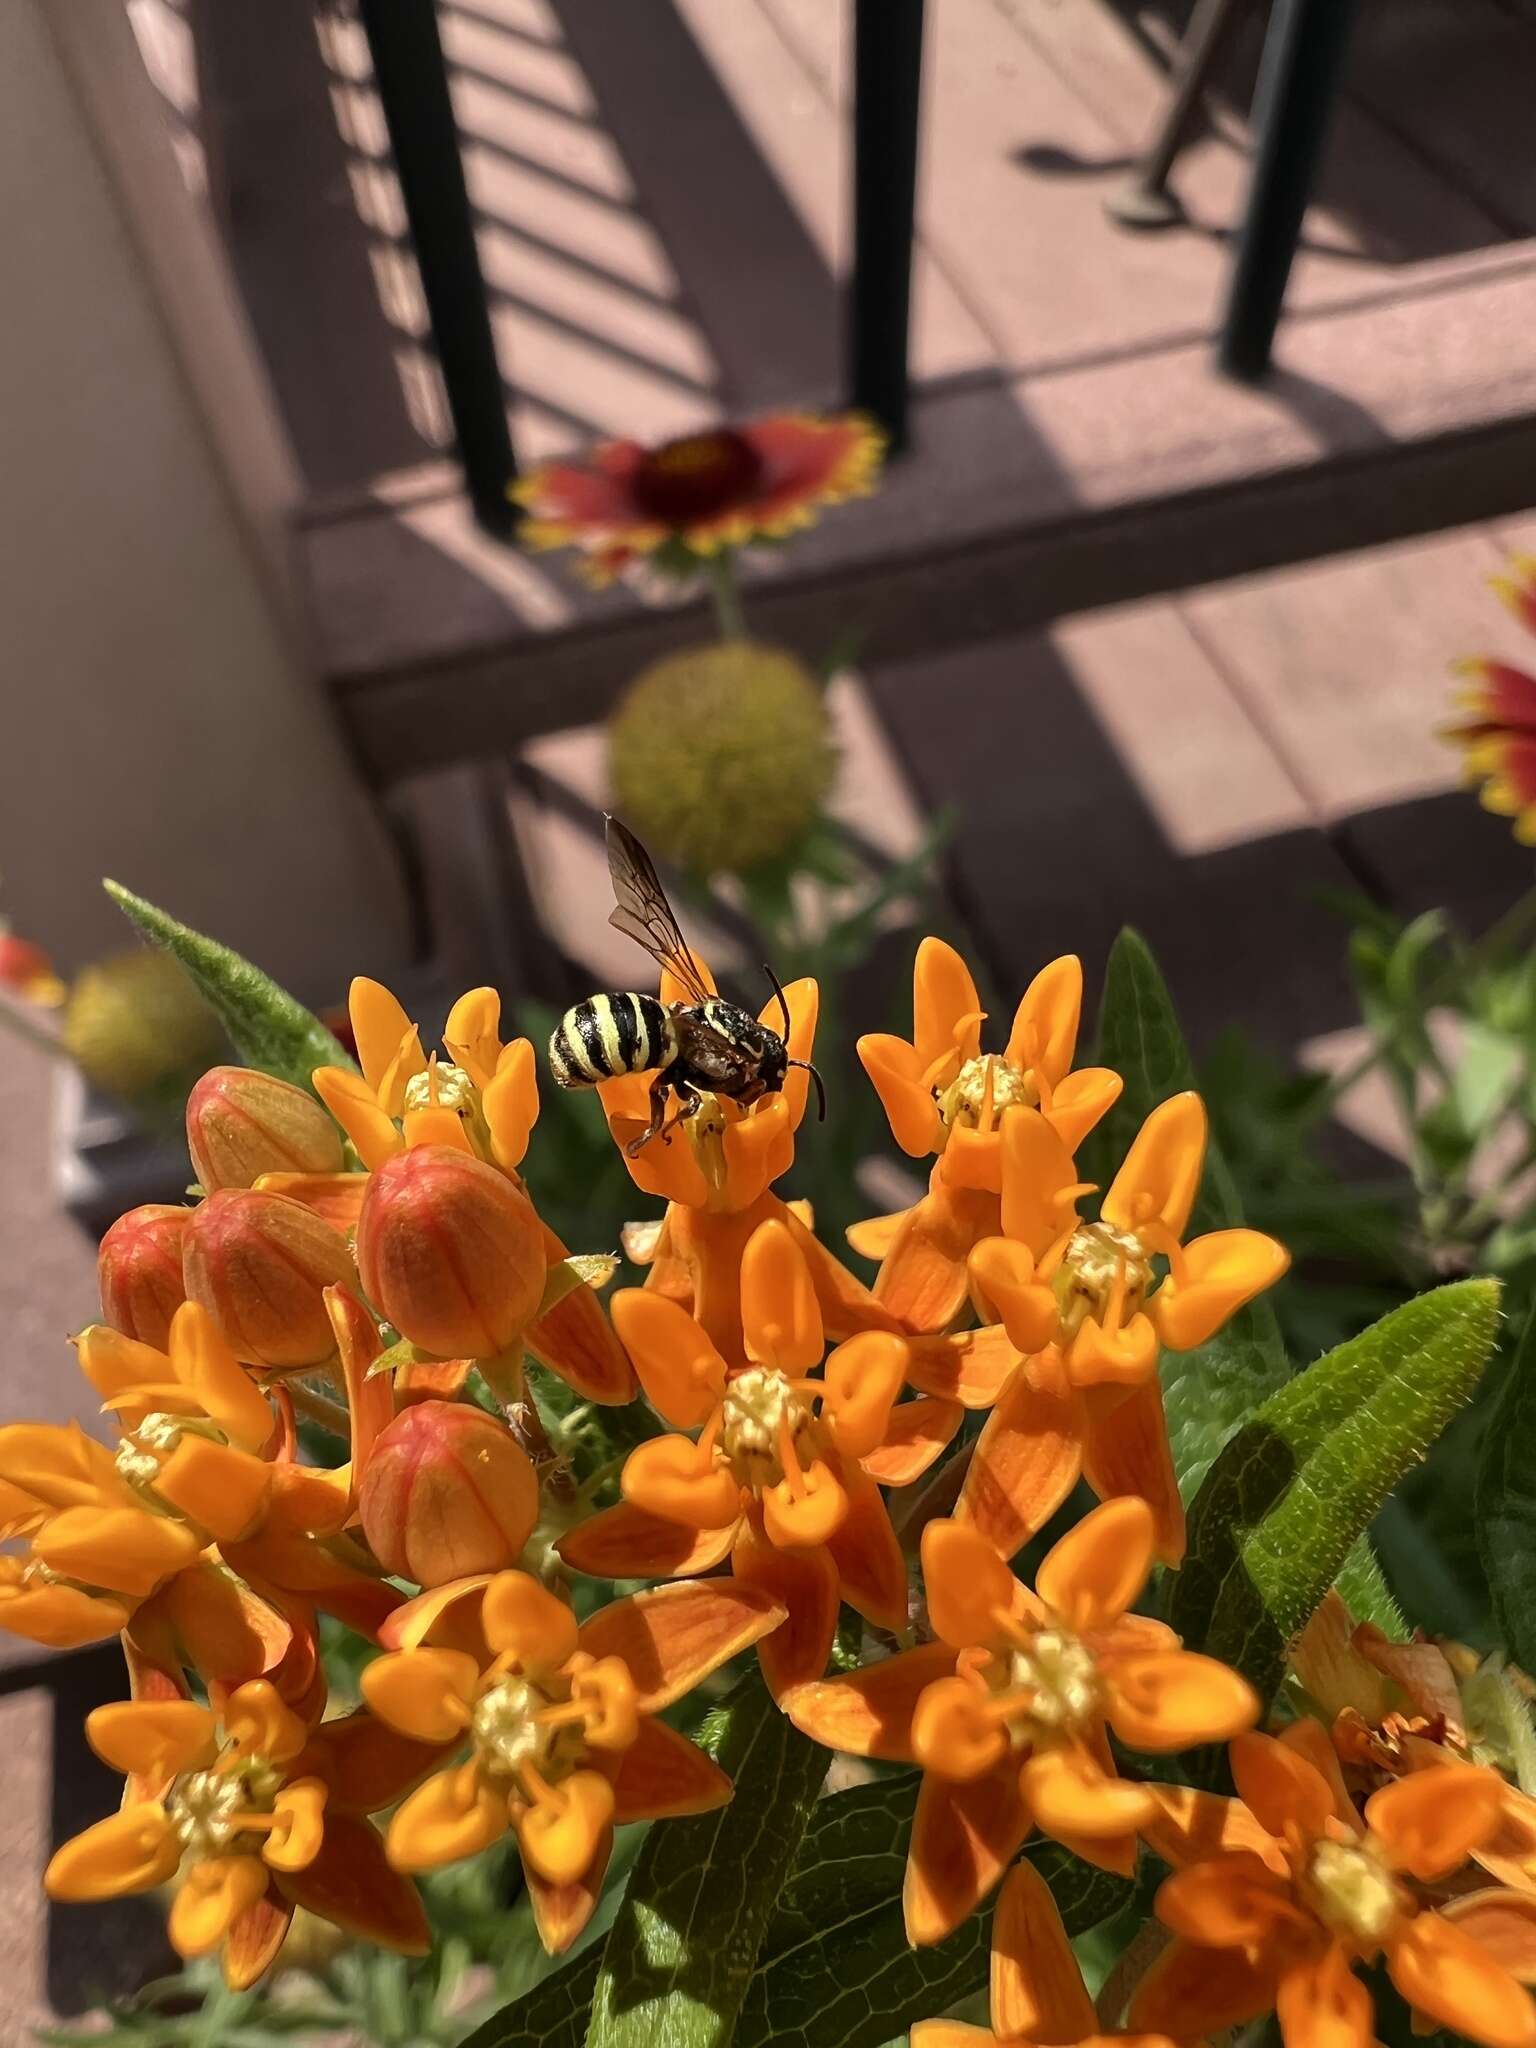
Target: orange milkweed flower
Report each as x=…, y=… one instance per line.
x=702, y=493
x=27, y=969
x=484, y=1101
x=944, y=1096
x=1497, y=732
x=557, y=1720
x=784, y=1476
x=1007, y=1711
x=254, y=1813
x=1037, y=1991
x=1082, y=1304
x=1280, y=1926
x=716, y=1175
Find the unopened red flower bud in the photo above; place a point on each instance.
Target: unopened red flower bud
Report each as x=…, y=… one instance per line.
x=242, y=1124
x=447, y=1491
x=450, y=1252
x=138, y=1269
x=260, y=1265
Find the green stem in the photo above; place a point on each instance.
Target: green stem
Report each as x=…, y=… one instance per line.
x=724, y=590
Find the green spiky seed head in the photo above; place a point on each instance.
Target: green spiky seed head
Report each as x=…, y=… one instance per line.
x=134, y=1022
x=720, y=758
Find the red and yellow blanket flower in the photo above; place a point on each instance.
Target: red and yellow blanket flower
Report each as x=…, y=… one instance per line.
x=1036, y=1992
x=548, y=1727
x=1008, y=1711
x=943, y=1095
x=716, y=1171
x=1280, y=1926
x=1496, y=731
x=442, y=1142
x=784, y=1475
x=202, y=1458
x=250, y=1812
x=1086, y=1316
x=699, y=494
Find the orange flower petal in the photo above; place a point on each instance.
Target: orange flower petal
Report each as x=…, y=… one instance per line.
x=1066, y=1790
x=213, y=1894
x=628, y=1543
x=846, y=1304
x=873, y=1238
x=525, y=1620
x=356, y=1108
x=1037, y=1989
x=1279, y=1787
x=1429, y=1824
x=681, y=1371
x=672, y=1477
x=153, y=1739
x=951, y=2034
x=1044, y=1034
x=1080, y=1101
x=1096, y=1570
x=222, y=1489
x=663, y=1774
x=1161, y=1174
x=1321, y=2003
x=1172, y=1699
x=1220, y=1273
x=780, y=1317
x=970, y=1589
x=808, y=1513
x=352, y=1884
x=1503, y=1924
x=370, y=1401
x=1037, y=1170
x=805, y=1584
x=870, y=1566
x=673, y=1636
x=510, y=1100
x=917, y=1433
x=561, y=1911
x=953, y=1735
x=336, y=1198
x=1002, y=1275
x=971, y=1367
x=576, y=1340
x=1126, y=1451
x=964, y=1836
x=1191, y=1991
x=1190, y=1827
x=897, y=1074
x=1226, y=1902
x=923, y=1279
x=1126, y=1357
x=255, y=1939
x=1310, y=1739
x=559, y=1839
x=378, y=1026
x=121, y=1550
x=452, y=1815
x=869, y=1712
x=1027, y=1458
x=946, y=1010
x=367, y=1764
x=425, y=1694
x=669, y=1169
x=1440, y=1969
x=863, y=1378
x=130, y=1851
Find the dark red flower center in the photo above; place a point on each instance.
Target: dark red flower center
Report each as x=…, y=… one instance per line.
x=696, y=477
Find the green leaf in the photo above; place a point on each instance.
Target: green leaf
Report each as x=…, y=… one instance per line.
x=268, y=1028
x=1299, y=1483
x=676, y=1966
x=553, y=2015
x=584, y=1269
x=835, y=1964
x=1506, y=1503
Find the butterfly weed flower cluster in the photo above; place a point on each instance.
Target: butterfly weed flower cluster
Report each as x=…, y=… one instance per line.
x=798, y=1446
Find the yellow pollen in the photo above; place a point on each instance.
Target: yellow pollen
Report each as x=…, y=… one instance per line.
x=446, y=1086
x=758, y=1404
x=505, y=1731
x=1060, y=1678
x=144, y=1450
x=1084, y=1282
x=1353, y=1892
x=208, y=1809
x=982, y=1090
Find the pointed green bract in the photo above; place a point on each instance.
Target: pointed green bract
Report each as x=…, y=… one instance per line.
x=269, y=1028
x=1506, y=1503
x=1298, y=1484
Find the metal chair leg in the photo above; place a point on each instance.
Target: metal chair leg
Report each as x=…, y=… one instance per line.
x=1144, y=201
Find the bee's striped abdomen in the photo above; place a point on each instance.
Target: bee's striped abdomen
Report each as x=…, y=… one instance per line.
x=622, y=1033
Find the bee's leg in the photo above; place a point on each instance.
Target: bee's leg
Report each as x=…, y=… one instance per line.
x=690, y=1106
x=659, y=1089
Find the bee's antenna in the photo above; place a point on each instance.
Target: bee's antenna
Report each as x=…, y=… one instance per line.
x=821, y=1088
x=778, y=989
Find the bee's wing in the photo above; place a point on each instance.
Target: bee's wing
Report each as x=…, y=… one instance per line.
x=641, y=910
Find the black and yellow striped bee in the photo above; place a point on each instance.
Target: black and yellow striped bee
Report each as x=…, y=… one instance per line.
x=705, y=1046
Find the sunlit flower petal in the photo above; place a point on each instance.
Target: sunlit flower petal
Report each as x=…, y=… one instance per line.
x=1037, y=1990
x=1442, y=1972
x=1220, y=1273
x=1096, y=1570
x=1430, y=1823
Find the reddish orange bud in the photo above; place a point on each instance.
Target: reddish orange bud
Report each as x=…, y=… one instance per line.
x=260, y=1265
x=450, y=1252
x=447, y=1491
x=242, y=1124
x=138, y=1269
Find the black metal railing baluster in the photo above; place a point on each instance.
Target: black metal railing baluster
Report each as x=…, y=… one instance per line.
x=888, y=67
x=1298, y=83
x=412, y=80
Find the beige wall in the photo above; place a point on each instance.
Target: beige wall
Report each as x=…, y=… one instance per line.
x=157, y=720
